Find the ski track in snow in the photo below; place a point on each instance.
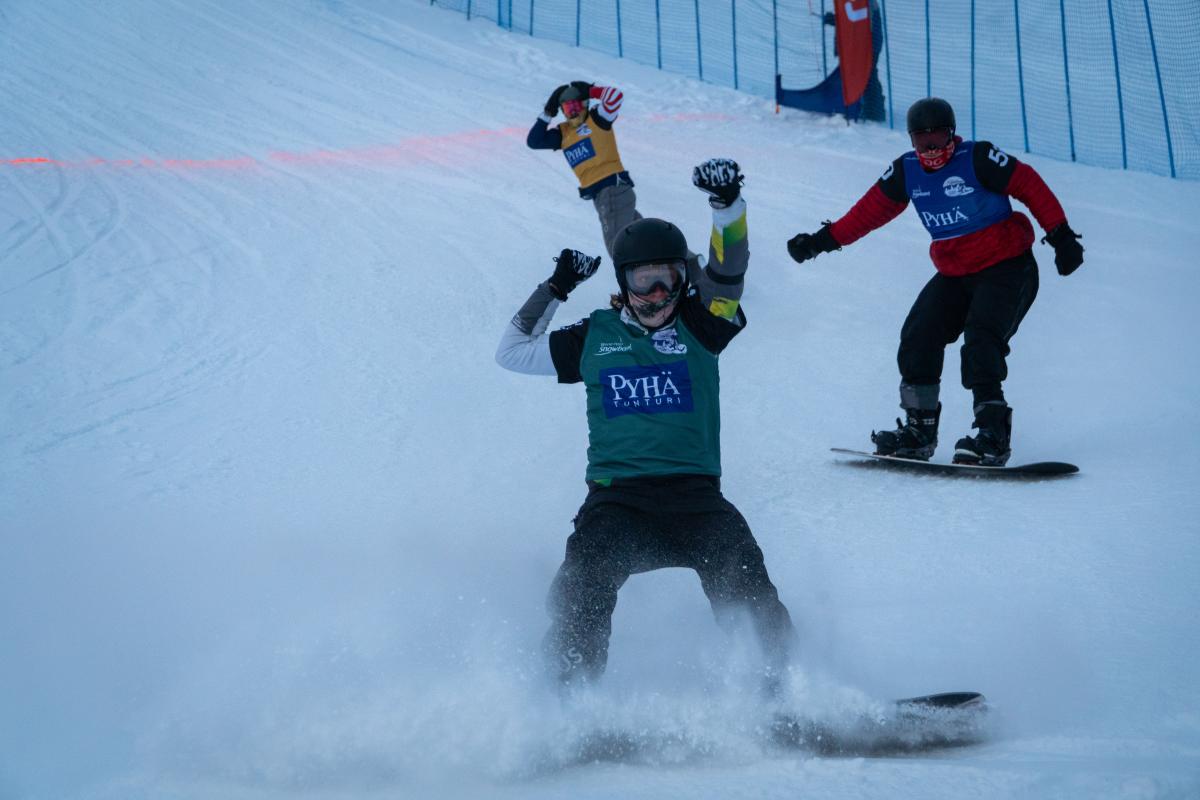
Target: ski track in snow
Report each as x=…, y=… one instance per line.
x=277, y=526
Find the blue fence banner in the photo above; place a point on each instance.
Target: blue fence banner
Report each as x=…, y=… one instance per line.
x=1112, y=83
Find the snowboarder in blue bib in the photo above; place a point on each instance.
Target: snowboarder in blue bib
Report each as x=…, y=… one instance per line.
x=986, y=275
x=649, y=367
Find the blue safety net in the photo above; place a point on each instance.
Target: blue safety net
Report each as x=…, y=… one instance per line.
x=1112, y=83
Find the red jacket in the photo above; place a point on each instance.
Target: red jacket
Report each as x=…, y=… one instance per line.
x=973, y=252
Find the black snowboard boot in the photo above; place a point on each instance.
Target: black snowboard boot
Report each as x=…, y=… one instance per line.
x=916, y=438
x=989, y=447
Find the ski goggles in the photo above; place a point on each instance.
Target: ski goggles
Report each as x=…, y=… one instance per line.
x=572, y=108
x=645, y=278
x=931, y=139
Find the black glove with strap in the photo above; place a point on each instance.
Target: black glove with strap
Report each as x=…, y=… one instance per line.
x=1068, y=252
x=804, y=246
x=571, y=268
x=721, y=179
x=551, y=107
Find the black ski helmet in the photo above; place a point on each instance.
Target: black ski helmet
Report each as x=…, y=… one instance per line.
x=647, y=241
x=930, y=112
x=572, y=92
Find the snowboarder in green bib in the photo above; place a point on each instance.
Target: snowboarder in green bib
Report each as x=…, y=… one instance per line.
x=649, y=365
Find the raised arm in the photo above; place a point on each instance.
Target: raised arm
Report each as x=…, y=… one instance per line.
x=608, y=106
x=540, y=136
x=721, y=280
x=524, y=346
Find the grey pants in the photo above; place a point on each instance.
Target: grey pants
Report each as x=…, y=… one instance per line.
x=617, y=207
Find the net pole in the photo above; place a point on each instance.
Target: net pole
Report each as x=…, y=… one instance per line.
x=973, y=134
x=658, y=31
x=1021, y=72
x=735, y=63
x=1062, y=16
x=1112, y=31
x=1162, y=98
x=888, y=63
x=928, y=56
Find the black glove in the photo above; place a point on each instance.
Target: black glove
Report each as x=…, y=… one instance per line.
x=721, y=179
x=584, y=87
x=804, y=246
x=1068, y=252
x=571, y=268
x=551, y=107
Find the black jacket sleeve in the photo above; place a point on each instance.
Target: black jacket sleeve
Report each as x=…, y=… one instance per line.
x=566, y=350
x=993, y=166
x=541, y=137
x=714, y=332
x=892, y=182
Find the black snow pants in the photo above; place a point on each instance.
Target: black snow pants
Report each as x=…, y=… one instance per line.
x=985, y=308
x=613, y=541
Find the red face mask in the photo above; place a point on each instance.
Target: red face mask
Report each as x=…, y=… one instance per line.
x=934, y=147
x=572, y=108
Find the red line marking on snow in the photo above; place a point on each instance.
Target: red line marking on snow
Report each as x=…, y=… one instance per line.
x=147, y=163
x=448, y=149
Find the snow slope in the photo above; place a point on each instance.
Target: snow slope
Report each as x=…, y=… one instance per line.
x=274, y=524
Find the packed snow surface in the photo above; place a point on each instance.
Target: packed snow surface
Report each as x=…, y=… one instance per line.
x=275, y=524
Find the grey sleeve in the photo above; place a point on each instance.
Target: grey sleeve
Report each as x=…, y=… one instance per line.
x=524, y=346
x=721, y=280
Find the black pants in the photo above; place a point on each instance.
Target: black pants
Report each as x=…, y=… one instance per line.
x=985, y=308
x=613, y=541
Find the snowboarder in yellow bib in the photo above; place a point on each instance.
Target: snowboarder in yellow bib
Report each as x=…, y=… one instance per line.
x=589, y=144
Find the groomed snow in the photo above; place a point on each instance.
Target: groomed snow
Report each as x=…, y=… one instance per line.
x=274, y=524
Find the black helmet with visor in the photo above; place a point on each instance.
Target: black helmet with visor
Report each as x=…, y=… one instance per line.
x=648, y=243
x=650, y=254
x=931, y=128
x=930, y=113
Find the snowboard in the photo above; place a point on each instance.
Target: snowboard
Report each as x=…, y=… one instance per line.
x=1038, y=469
x=910, y=726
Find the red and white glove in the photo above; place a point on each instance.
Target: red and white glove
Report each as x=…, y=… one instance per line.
x=610, y=98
